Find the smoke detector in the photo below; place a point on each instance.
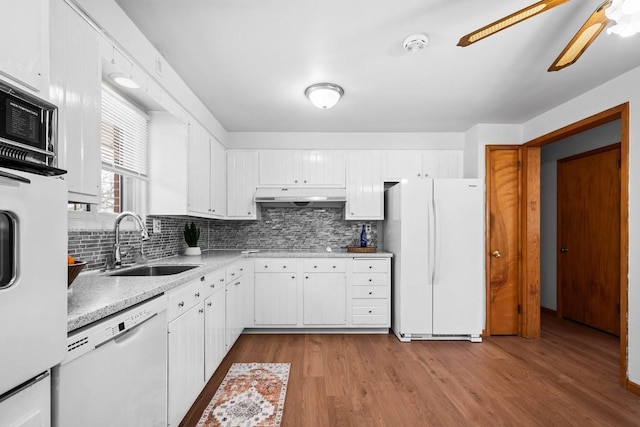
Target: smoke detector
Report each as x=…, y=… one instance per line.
x=415, y=43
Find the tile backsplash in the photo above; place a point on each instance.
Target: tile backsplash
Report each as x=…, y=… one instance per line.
x=279, y=228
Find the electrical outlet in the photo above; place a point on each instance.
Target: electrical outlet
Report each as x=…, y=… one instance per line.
x=368, y=228
x=157, y=228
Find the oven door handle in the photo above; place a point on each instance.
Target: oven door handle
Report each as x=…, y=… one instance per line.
x=14, y=177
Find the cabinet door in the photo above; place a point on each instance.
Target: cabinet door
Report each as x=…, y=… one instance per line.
x=235, y=316
x=276, y=299
x=399, y=164
x=325, y=299
x=199, y=201
x=76, y=90
x=242, y=180
x=442, y=164
x=186, y=362
x=280, y=167
x=365, y=190
x=218, y=184
x=323, y=168
x=214, y=332
x=23, y=42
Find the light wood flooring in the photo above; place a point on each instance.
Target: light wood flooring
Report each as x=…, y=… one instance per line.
x=569, y=377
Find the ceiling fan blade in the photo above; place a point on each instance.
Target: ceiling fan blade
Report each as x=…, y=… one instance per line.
x=507, y=21
x=583, y=38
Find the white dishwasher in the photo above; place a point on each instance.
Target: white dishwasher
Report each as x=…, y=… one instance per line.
x=115, y=372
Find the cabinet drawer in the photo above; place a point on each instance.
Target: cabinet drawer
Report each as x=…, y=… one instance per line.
x=276, y=265
x=183, y=298
x=361, y=303
x=234, y=272
x=369, y=311
x=331, y=265
x=370, y=292
x=373, y=265
x=214, y=282
x=370, y=319
x=371, y=279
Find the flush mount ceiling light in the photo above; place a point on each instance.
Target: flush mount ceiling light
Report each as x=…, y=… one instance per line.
x=626, y=14
x=324, y=95
x=123, y=80
x=415, y=43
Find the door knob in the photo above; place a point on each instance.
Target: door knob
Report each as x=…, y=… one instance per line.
x=564, y=250
x=496, y=254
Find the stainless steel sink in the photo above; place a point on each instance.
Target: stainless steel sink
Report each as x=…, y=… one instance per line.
x=155, y=270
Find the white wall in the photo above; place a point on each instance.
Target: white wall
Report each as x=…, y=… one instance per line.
x=622, y=89
x=348, y=140
x=594, y=138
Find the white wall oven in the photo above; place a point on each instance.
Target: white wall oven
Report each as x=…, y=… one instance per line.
x=33, y=271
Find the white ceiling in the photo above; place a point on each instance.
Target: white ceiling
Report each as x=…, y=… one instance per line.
x=250, y=61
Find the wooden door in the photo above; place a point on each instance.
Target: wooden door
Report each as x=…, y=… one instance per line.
x=503, y=182
x=589, y=238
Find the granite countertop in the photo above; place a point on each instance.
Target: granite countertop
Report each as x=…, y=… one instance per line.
x=95, y=295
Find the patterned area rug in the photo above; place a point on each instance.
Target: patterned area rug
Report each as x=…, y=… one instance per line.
x=251, y=394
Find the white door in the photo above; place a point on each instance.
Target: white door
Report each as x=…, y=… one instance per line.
x=459, y=261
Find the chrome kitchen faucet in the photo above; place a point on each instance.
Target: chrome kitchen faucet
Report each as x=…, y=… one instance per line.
x=144, y=235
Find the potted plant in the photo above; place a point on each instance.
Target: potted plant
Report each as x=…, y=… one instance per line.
x=191, y=236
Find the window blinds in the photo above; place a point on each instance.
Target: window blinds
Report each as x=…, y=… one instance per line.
x=123, y=136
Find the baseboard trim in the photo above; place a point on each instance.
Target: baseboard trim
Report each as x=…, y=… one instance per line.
x=633, y=387
x=548, y=310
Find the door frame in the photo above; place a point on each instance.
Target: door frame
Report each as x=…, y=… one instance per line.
x=530, y=224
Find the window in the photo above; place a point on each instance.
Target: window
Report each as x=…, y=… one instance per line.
x=125, y=159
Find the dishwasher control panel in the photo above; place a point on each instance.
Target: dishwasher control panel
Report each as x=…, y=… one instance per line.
x=101, y=332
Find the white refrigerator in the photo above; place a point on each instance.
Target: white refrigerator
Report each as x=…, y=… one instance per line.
x=435, y=230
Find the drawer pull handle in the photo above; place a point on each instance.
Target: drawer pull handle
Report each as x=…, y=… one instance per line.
x=266, y=266
x=370, y=311
x=370, y=293
x=306, y=277
x=197, y=295
x=284, y=266
x=202, y=279
x=371, y=280
x=315, y=266
x=334, y=266
x=371, y=266
x=181, y=304
x=293, y=277
x=209, y=304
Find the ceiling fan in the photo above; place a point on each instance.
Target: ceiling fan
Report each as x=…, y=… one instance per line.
x=574, y=49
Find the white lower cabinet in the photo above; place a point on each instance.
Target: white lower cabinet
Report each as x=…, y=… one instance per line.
x=334, y=292
x=215, y=346
x=186, y=362
x=324, y=291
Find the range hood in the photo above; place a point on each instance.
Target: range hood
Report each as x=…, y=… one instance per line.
x=300, y=196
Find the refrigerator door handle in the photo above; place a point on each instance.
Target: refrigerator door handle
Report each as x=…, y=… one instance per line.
x=432, y=240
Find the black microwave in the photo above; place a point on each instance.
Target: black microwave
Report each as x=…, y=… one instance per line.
x=28, y=131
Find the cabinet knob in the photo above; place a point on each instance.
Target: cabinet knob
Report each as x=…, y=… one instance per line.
x=248, y=213
x=284, y=266
x=201, y=311
x=370, y=311
x=181, y=304
x=266, y=266
x=371, y=266
x=306, y=277
x=334, y=266
x=293, y=277
x=197, y=295
x=371, y=280
x=296, y=181
x=222, y=279
x=202, y=279
x=209, y=304
x=237, y=283
x=418, y=174
x=305, y=181
x=370, y=293
x=242, y=269
x=233, y=274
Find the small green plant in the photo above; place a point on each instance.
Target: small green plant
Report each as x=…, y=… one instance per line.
x=191, y=235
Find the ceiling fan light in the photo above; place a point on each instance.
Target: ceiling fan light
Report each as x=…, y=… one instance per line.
x=324, y=95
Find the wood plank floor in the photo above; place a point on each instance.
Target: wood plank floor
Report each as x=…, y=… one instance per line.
x=569, y=377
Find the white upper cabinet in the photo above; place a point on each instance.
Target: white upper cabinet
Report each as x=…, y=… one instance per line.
x=75, y=88
x=24, y=37
x=242, y=179
x=199, y=200
x=300, y=168
x=218, y=179
x=365, y=189
x=409, y=164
